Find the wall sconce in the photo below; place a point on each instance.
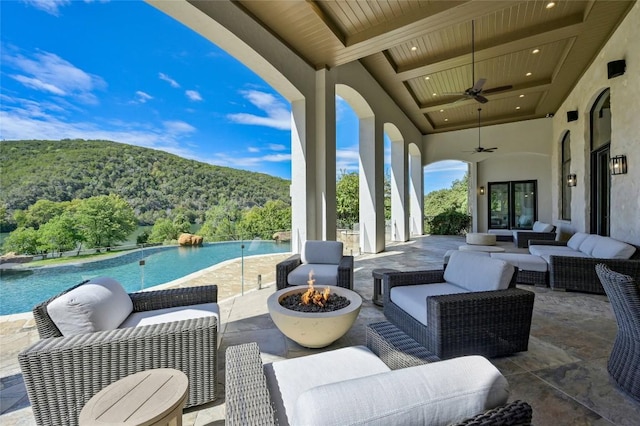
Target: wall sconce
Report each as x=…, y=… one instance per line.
x=482, y=190
x=572, y=180
x=618, y=165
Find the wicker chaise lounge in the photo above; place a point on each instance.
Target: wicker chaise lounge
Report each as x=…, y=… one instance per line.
x=450, y=322
x=62, y=373
x=624, y=294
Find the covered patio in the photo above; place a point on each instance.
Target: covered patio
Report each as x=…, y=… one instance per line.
x=563, y=375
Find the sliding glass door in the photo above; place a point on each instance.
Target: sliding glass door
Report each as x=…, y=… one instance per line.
x=512, y=205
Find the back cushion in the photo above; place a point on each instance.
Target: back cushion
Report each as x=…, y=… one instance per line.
x=577, y=239
x=322, y=252
x=542, y=227
x=100, y=304
x=590, y=243
x=476, y=273
x=608, y=248
x=438, y=393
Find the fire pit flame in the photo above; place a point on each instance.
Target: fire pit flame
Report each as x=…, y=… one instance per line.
x=314, y=296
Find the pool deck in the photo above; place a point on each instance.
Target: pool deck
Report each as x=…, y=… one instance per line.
x=563, y=374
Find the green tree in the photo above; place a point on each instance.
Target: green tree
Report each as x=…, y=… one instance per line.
x=221, y=221
x=22, y=241
x=42, y=212
x=347, y=199
x=443, y=200
x=60, y=234
x=181, y=223
x=263, y=222
x=163, y=230
x=105, y=220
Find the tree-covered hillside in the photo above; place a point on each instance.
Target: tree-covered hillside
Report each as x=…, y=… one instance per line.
x=153, y=182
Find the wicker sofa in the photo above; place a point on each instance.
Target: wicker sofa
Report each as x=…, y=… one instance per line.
x=62, y=372
x=471, y=307
x=572, y=263
x=352, y=386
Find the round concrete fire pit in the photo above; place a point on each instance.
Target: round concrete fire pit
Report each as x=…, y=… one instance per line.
x=314, y=329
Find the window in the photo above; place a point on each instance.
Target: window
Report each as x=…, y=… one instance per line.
x=513, y=205
x=566, y=169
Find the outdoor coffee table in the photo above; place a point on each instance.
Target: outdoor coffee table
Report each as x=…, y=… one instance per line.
x=151, y=397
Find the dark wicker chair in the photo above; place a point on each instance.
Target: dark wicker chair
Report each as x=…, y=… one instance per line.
x=61, y=373
x=623, y=292
x=521, y=238
x=284, y=268
x=248, y=401
x=488, y=323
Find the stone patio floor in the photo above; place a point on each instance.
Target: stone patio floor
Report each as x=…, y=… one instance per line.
x=563, y=375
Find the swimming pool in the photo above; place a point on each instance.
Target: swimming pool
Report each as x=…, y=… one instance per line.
x=21, y=291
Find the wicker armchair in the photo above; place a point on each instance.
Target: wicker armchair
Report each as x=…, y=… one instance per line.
x=344, y=265
x=488, y=323
x=624, y=295
x=248, y=400
x=62, y=373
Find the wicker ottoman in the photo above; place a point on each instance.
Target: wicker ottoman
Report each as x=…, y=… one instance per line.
x=481, y=239
x=531, y=269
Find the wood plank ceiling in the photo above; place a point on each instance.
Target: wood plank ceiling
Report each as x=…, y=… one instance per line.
x=421, y=51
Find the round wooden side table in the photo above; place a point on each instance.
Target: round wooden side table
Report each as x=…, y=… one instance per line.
x=151, y=397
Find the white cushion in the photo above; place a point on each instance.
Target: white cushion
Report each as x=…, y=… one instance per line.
x=542, y=227
x=289, y=378
x=590, y=243
x=439, y=393
x=477, y=274
x=576, y=239
x=322, y=274
x=524, y=262
x=100, y=304
x=176, y=313
x=547, y=257
x=608, y=248
x=541, y=250
x=329, y=252
x=503, y=232
x=413, y=298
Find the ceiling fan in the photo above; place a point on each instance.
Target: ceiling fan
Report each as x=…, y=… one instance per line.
x=475, y=91
x=481, y=148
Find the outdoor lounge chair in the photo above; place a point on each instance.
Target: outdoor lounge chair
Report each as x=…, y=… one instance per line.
x=62, y=372
x=624, y=295
x=323, y=259
x=471, y=307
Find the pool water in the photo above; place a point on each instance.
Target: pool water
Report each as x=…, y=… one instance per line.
x=20, y=291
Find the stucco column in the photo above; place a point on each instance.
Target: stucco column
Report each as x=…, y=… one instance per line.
x=371, y=185
x=473, y=195
x=416, y=192
x=325, y=155
x=399, y=192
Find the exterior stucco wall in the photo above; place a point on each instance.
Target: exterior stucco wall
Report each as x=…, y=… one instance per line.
x=625, y=135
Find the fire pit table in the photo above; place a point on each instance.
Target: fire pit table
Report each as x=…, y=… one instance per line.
x=314, y=329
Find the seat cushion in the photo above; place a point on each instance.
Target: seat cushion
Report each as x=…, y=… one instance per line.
x=100, y=304
x=590, y=243
x=477, y=274
x=576, y=239
x=176, y=313
x=438, y=393
x=608, y=248
x=288, y=379
x=524, y=262
x=322, y=274
x=324, y=252
x=413, y=298
x=542, y=227
x=547, y=257
x=541, y=250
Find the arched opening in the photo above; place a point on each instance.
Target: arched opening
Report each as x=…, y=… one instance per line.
x=446, y=189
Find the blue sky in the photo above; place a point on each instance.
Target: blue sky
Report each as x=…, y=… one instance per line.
x=124, y=71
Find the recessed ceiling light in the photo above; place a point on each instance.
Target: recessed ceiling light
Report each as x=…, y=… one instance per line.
x=528, y=74
x=550, y=4
x=446, y=119
x=522, y=96
x=441, y=110
x=414, y=48
x=434, y=94
x=427, y=78
x=534, y=51
x=517, y=107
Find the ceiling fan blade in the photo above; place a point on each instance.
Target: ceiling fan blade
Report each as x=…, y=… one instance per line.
x=481, y=99
x=463, y=98
x=490, y=149
x=478, y=86
x=497, y=89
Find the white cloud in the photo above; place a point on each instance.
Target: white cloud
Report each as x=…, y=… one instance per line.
x=277, y=147
x=49, y=6
x=193, y=95
x=168, y=79
x=142, y=97
x=47, y=72
x=253, y=149
x=446, y=166
x=277, y=113
x=177, y=127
